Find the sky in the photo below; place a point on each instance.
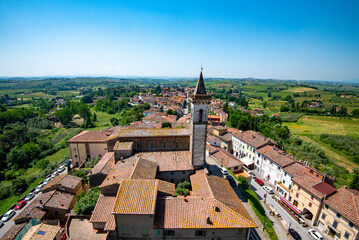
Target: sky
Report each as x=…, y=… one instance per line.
x=301, y=40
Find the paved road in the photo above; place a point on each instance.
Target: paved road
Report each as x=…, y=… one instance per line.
x=303, y=232
x=11, y=222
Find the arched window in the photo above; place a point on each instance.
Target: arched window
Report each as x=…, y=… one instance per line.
x=200, y=115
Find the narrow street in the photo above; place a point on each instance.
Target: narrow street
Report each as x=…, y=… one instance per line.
x=258, y=234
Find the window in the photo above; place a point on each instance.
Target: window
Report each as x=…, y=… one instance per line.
x=250, y=156
x=56, y=213
x=290, y=186
x=75, y=149
x=172, y=172
x=235, y=168
x=124, y=230
x=164, y=145
x=285, y=174
x=158, y=232
x=169, y=232
x=183, y=172
x=144, y=231
x=200, y=115
x=351, y=224
x=346, y=235
x=326, y=206
x=310, y=204
x=176, y=144
x=298, y=188
x=199, y=233
x=151, y=145
x=338, y=215
x=75, y=156
x=312, y=197
x=138, y=146
x=335, y=224
x=323, y=216
x=297, y=195
x=283, y=181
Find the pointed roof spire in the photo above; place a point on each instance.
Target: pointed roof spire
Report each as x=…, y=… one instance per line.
x=200, y=88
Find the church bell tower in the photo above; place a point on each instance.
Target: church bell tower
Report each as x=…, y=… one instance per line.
x=200, y=101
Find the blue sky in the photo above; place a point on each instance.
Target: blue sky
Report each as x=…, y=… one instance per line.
x=308, y=40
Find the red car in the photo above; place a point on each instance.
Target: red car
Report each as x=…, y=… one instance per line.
x=259, y=181
x=20, y=204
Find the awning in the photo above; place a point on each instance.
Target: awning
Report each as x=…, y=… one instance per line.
x=246, y=161
x=290, y=205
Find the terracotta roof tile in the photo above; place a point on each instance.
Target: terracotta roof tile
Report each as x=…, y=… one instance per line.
x=144, y=169
x=136, y=197
x=197, y=213
x=91, y=136
x=151, y=132
x=123, y=146
x=346, y=202
x=103, y=208
x=65, y=180
x=252, y=138
x=119, y=172
x=166, y=187
x=308, y=182
x=105, y=165
x=226, y=159
x=295, y=169
x=276, y=155
x=50, y=232
x=13, y=231
x=60, y=200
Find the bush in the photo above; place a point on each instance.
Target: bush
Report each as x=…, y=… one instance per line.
x=166, y=125
x=86, y=203
x=4, y=192
x=92, y=162
x=81, y=174
x=19, y=185
x=43, y=163
x=182, y=189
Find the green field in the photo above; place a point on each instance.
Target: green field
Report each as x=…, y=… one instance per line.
x=309, y=128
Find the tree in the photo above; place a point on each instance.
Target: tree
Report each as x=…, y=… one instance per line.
x=15, y=158
x=284, y=108
x=114, y=121
x=64, y=115
x=86, y=99
x=19, y=185
x=182, y=189
x=81, y=174
x=355, y=113
x=94, y=117
x=354, y=184
x=86, y=204
x=166, y=125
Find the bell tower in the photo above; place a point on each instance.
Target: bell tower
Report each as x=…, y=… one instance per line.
x=200, y=101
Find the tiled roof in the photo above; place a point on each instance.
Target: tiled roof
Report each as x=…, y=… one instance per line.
x=219, y=189
x=105, y=165
x=13, y=231
x=103, y=208
x=307, y=181
x=346, y=202
x=166, y=187
x=111, y=224
x=136, y=197
x=325, y=188
x=90, y=136
x=123, y=146
x=60, y=200
x=119, y=172
x=49, y=232
x=152, y=132
x=197, y=213
x=252, y=138
x=184, y=119
x=65, y=180
x=294, y=169
x=276, y=155
x=170, y=118
x=154, y=118
x=226, y=159
x=166, y=161
x=144, y=169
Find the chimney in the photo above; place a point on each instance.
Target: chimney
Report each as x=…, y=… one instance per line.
x=209, y=221
x=62, y=203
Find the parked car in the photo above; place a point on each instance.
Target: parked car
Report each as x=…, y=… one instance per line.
x=315, y=234
x=61, y=168
x=54, y=174
x=68, y=162
x=29, y=196
x=1, y=224
x=37, y=190
x=259, y=181
x=294, y=234
x=46, y=181
x=223, y=171
x=231, y=180
x=8, y=216
x=268, y=189
x=20, y=204
x=252, y=174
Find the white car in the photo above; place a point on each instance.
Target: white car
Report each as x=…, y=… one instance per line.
x=268, y=189
x=315, y=234
x=223, y=171
x=46, y=181
x=61, y=168
x=29, y=196
x=37, y=190
x=8, y=216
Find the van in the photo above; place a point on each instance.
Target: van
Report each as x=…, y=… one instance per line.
x=223, y=171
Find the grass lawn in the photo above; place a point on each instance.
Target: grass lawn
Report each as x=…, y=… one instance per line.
x=103, y=120
x=317, y=125
x=8, y=202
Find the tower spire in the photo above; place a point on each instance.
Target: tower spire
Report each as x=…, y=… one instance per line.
x=200, y=88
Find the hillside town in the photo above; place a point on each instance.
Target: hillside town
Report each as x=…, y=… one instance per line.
x=143, y=165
